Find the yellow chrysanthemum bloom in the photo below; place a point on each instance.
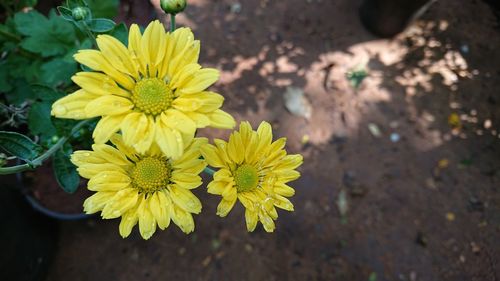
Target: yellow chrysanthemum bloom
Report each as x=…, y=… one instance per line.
x=149, y=189
x=153, y=91
x=255, y=170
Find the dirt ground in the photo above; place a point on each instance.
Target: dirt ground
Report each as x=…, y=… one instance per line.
x=424, y=205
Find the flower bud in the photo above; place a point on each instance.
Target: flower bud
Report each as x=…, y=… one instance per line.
x=79, y=13
x=173, y=6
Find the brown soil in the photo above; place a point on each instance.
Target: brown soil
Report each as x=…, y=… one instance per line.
x=426, y=207
x=44, y=188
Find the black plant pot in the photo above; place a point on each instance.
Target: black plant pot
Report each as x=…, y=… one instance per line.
x=386, y=18
x=28, y=238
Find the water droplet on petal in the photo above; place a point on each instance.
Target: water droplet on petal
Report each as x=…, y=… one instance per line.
x=60, y=110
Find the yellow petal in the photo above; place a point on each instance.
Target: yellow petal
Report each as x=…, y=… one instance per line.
x=82, y=157
x=73, y=105
x=107, y=127
x=287, y=175
x=186, y=180
x=147, y=223
x=108, y=105
x=96, y=202
x=225, y=207
x=99, y=84
x=201, y=120
x=169, y=141
x=109, y=181
x=117, y=140
x=251, y=219
x=235, y=149
x=184, y=220
x=246, y=133
x=134, y=47
x=223, y=175
x=209, y=153
x=153, y=44
x=98, y=62
x=176, y=120
x=117, y=54
x=216, y=187
x=111, y=154
x=159, y=206
x=284, y=190
x=120, y=203
x=283, y=203
x=265, y=134
x=266, y=221
x=185, y=199
x=221, y=119
x=136, y=130
x=289, y=162
x=90, y=170
x=184, y=74
x=200, y=80
x=129, y=220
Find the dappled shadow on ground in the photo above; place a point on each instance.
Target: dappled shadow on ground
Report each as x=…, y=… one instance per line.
x=423, y=205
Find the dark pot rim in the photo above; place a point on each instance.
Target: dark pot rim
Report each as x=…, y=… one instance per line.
x=44, y=210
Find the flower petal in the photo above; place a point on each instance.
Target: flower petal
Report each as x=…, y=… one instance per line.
x=107, y=127
x=159, y=206
x=120, y=203
x=225, y=207
x=108, y=105
x=185, y=199
x=147, y=223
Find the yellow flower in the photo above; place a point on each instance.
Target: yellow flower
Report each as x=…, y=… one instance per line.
x=149, y=189
x=153, y=91
x=254, y=170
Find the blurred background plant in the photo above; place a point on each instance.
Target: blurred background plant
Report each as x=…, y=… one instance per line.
x=36, y=66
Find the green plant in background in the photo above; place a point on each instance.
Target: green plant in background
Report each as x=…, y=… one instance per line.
x=36, y=66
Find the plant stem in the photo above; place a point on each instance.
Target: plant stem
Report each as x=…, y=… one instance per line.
x=172, y=22
x=89, y=34
x=209, y=171
x=39, y=160
x=10, y=35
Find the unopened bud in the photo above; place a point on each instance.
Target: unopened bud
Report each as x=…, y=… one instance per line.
x=173, y=6
x=79, y=13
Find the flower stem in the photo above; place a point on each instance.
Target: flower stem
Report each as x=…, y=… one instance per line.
x=39, y=160
x=172, y=22
x=209, y=171
x=89, y=34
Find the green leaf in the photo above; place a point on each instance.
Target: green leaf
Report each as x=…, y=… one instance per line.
x=20, y=93
x=65, y=13
x=19, y=145
x=101, y=25
x=120, y=32
x=58, y=72
x=45, y=36
x=46, y=93
x=39, y=121
x=65, y=172
x=104, y=8
x=5, y=84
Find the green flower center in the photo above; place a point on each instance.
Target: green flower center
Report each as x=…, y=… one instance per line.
x=152, y=96
x=150, y=174
x=246, y=178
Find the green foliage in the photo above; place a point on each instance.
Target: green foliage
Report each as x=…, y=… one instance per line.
x=39, y=120
x=36, y=67
x=64, y=171
x=104, y=8
x=19, y=145
x=101, y=25
x=45, y=36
